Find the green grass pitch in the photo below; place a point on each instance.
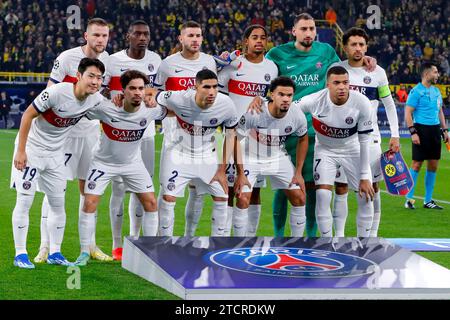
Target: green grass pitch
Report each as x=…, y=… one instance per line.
x=110, y=281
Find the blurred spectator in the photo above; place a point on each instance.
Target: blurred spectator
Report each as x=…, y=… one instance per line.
x=427, y=51
x=33, y=32
x=331, y=15
x=402, y=95
x=11, y=18
x=5, y=107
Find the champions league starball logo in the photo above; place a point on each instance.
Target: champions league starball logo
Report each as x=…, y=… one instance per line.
x=292, y=262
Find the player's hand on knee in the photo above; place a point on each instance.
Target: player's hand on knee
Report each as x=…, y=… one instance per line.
x=394, y=144
x=20, y=160
x=256, y=105
x=239, y=184
x=299, y=181
x=118, y=100
x=221, y=178
x=366, y=189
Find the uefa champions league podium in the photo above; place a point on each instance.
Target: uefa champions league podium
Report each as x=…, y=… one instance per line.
x=232, y=268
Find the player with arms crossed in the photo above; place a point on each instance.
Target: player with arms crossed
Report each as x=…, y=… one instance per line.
x=375, y=86
x=118, y=155
x=82, y=139
x=244, y=79
x=342, y=120
x=193, y=157
x=39, y=155
x=177, y=72
x=136, y=57
x=264, y=154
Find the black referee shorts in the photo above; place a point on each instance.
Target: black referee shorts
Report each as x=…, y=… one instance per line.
x=430, y=143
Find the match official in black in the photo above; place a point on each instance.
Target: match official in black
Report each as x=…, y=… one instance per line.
x=426, y=123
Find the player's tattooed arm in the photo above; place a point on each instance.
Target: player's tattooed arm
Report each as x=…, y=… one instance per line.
x=20, y=159
x=301, y=151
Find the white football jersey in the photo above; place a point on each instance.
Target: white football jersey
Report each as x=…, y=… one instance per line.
x=122, y=131
x=120, y=62
x=243, y=81
x=195, y=126
x=177, y=73
x=374, y=85
x=337, y=127
x=265, y=135
x=60, y=111
x=65, y=69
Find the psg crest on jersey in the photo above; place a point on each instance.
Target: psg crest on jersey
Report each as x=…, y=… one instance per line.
x=143, y=122
x=151, y=67
x=367, y=80
x=349, y=120
x=395, y=173
x=26, y=185
x=171, y=186
x=267, y=77
x=92, y=185
x=288, y=129
x=291, y=262
x=213, y=121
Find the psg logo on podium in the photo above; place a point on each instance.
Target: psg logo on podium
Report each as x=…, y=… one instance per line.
x=292, y=262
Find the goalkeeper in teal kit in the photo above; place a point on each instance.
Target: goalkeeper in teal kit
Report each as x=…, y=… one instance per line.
x=306, y=62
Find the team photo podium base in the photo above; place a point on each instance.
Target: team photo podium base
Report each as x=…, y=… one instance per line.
x=253, y=268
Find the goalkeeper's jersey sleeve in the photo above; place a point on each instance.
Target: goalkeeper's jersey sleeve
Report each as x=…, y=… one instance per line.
x=307, y=69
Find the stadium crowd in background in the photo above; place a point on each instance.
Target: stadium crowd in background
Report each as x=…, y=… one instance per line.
x=34, y=32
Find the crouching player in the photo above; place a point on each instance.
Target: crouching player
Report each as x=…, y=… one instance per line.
x=264, y=154
x=118, y=155
x=192, y=157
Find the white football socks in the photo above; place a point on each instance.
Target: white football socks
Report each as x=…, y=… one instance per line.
x=193, y=211
x=229, y=222
x=86, y=227
x=20, y=221
x=340, y=213
x=323, y=212
x=254, y=213
x=150, y=224
x=376, y=214
x=219, y=218
x=297, y=221
x=166, y=217
x=80, y=208
x=364, y=216
x=116, y=212
x=56, y=223
x=240, y=222
x=136, y=212
x=45, y=242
